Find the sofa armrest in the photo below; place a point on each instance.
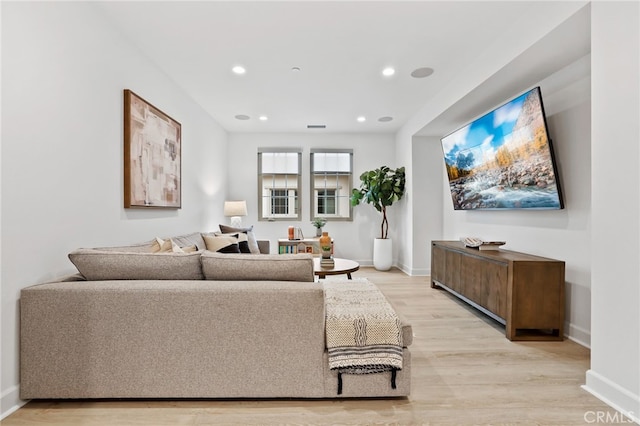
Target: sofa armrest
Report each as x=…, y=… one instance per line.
x=264, y=246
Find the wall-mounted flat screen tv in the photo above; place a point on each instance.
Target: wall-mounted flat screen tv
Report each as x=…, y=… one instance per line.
x=504, y=159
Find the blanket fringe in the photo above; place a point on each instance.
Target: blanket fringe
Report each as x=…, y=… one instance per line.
x=394, y=374
x=393, y=378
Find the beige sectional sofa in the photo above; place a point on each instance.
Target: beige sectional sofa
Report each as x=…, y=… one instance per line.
x=240, y=326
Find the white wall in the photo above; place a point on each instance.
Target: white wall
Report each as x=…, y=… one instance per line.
x=614, y=376
x=353, y=240
x=64, y=68
x=426, y=202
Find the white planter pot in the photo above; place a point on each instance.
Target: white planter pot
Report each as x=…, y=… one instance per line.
x=382, y=254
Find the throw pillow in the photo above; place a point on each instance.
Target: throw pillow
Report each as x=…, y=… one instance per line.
x=162, y=246
x=243, y=240
x=169, y=246
x=221, y=244
x=177, y=249
x=253, y=243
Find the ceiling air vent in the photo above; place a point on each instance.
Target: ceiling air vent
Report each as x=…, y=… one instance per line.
x=316, y=126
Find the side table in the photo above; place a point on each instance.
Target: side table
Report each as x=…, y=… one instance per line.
x=341, y=266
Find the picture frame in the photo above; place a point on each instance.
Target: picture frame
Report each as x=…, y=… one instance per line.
x=152, y=156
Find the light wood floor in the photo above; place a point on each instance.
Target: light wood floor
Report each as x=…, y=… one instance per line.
x=465, y=372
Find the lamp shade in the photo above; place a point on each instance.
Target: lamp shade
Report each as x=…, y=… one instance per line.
x=235, y=208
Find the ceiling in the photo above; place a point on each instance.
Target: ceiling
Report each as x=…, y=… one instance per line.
x=339, y=47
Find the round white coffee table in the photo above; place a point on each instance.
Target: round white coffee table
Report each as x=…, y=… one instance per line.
x=341, y=266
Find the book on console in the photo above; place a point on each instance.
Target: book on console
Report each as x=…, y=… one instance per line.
x=491, y=246
x=477, y=243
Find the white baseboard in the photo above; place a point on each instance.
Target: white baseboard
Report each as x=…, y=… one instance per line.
x=577, y=334
x=412, y=271
x=403, y=268
x=615, y=396
x=420, y=272
x=10, y=401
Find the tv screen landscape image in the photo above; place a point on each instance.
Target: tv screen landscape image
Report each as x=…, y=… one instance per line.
x=504, y=159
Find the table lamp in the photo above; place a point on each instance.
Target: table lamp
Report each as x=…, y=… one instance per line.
x=235, y=210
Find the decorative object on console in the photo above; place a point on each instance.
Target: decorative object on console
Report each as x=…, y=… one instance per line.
x=152, y=156
x=381, y=188
x=235, y=210
x=319, y=222
x=478, y=243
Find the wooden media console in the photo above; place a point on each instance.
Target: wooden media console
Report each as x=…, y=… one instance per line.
x=521, y=291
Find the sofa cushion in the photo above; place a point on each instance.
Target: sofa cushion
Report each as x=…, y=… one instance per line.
x=253, y=243
x=265, y=267
x=99, y=265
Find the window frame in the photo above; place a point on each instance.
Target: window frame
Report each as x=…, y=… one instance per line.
x=298, y=189
x=313, y=193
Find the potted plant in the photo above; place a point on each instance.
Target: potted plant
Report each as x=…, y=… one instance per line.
x=381, y=188
x=319, y=222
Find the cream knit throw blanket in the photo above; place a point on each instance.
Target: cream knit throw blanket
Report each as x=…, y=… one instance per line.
x=363, y=332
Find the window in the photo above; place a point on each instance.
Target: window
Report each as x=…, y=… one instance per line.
x=326, y=201
x=331, y=177
x=279, y=180
x=280, y=199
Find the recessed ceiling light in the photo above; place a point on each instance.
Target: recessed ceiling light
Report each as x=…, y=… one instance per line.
x=242, y=117
x=388, y=72
x=361, y=119
x=422, y=72
x=385, y=119
x=263, y=118
x=239, y=69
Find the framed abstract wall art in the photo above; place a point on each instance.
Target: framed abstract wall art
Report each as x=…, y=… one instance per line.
x=152, y=156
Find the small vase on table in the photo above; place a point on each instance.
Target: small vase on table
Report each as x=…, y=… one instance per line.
x=325, y=245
